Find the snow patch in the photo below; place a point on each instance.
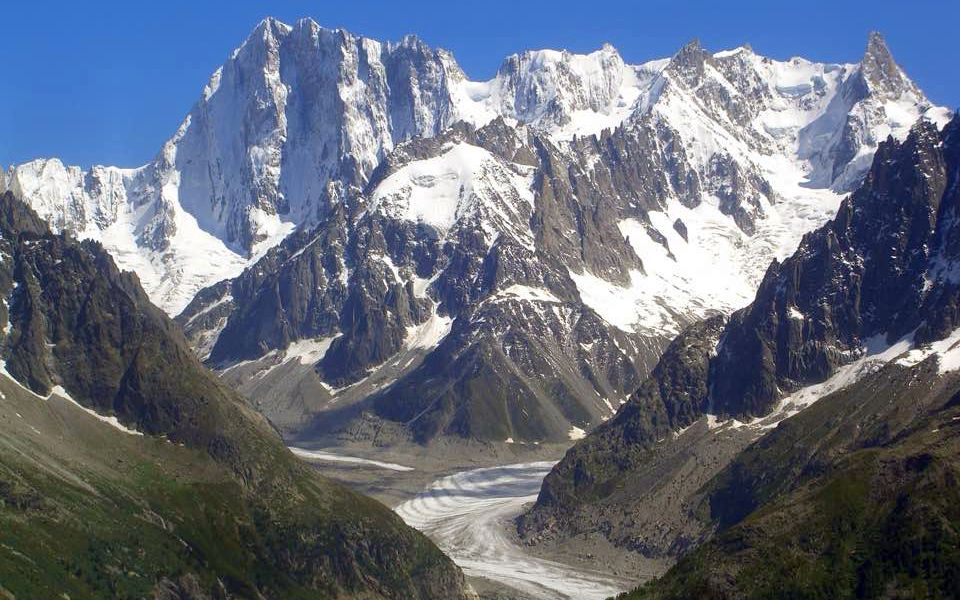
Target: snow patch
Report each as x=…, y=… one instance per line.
x=62, y=393
x=527, y=293
x=308, y=352
x=946, y=350
x=109, y=420
x=331, y=457
x=428, y=334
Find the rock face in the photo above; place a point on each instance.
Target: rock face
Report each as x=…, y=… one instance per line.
x=859, y=292
x=867, y=273
x=81, y=335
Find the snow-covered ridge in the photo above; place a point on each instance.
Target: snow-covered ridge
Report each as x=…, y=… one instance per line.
x=464, y=184
x=561, y=92
x=299, y=116
x=795, y=134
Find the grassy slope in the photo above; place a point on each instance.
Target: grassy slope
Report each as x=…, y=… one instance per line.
x=872, y=513
x=95, y=513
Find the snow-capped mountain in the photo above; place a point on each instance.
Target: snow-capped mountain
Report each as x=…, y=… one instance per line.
x=299, y=116
x=557, y=91
x=767, y=147
x=294, y=119
x=500, y=259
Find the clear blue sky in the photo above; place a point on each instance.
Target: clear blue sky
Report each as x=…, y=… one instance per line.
x=106, y=82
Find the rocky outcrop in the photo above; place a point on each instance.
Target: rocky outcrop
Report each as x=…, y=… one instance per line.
x=866, y=274
x=872, y=467
x=376, y=284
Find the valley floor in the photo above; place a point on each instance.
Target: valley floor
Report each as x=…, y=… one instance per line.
x=469, y=514
x=466, y=514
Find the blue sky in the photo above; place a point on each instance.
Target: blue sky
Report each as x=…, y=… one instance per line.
x=106, y=82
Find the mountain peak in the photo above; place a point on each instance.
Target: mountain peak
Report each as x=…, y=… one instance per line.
x=688, y=62
x=412, y=42
x=265, y=34
x=608, y=48
x=877, y=45
x=880, y=70
x=743, y=49
x=692, y=46
x=270, y=25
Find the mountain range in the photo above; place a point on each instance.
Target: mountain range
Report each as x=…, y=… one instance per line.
x=730, y=281
x=407, y=251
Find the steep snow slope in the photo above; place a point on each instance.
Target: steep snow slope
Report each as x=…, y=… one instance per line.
x=464, y=183
x=172, y=260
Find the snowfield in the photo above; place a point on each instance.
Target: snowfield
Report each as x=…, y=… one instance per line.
x=468, y=515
